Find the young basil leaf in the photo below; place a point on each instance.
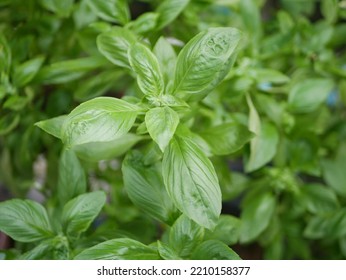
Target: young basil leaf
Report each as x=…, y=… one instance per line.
x=263, y=145
x=185, y=235
x=319, y=199
x=226, y=138
x=80, y=212
x=144, y=23
x=145, y=187
x=108, y=150
x=169, y=10
x=114, y=45
x=69, y=70
x=25, y=72
x=161, y=123
x=191, y=181
x=119, y=249
x=167, y=59
x=24, y=220
x=146, y=66
x=308, y=95
x=226, y=230
x=72, y=179
x=166, y=252
x=116, y=11
x=256, y=215
x=204, y=62
x=101, y=119
x=53, y=126
x=214, y=250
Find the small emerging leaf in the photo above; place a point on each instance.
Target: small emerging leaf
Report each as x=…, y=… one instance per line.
x=147, y=68
x=161, y=123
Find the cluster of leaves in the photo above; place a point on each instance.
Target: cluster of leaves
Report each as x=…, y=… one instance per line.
x=265, y=97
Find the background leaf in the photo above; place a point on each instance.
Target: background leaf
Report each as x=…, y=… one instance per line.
x=191, y=181
x=114, y=45
x=26, y=71
x=119, y=249
x=24, y=220
x=169, y=11
x=226, y=138
x=256, y=215
x=116, y=11
x=306, y=96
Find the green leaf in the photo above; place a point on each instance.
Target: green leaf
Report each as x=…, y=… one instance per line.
x=191, y=181
x=226, y=230
x=61, y=7
x=102, y=119
x=264, y=75
x=166, y=252
x=72, y=179
x=108, y=150
x=53, y=126
x=146, y=66
x=169, y=10
x=204, y=62
x=80, y=212
x=5, y=55
x=319, y=199
x=263, y=146
x=214, y=250
x=161, y=123
x=119, y=249
x=185, y=235
x=145, y=187
x=26, y=71
x=114, y=45
x=334, y=172
x=226, y=138
x=167, y=59
x=306, y=96
x=251, y=16
x=97, y=85
x=116, y=11
x=24, y=220
x=329, y=9
x=8, y=123
x=256, y=216
x=144, y=23
x=38, y=252
x=69, y=70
